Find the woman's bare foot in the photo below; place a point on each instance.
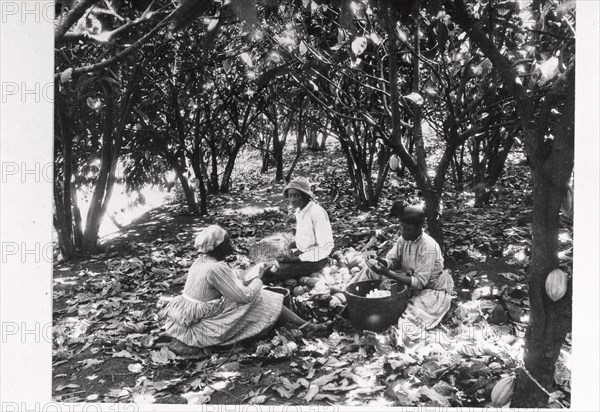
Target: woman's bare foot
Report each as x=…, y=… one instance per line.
x=181, y=349
x=315, y=329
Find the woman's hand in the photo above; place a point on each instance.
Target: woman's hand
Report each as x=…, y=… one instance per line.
x=379, y=266
x=262, y=268
x=290, y=259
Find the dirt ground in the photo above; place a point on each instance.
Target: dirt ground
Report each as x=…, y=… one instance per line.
x=108, y=343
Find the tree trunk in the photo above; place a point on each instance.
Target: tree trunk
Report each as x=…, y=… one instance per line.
x=277, y=149
x=299, y=138
x=266, y=157
x=549, y=322
x=190, y=197
x=62, y=197
x=77, y=221
x=225, y=182
x=196, y=160
x=94, y=216
x=214, y=166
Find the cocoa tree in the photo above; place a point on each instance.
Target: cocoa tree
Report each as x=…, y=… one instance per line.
x=547, y=130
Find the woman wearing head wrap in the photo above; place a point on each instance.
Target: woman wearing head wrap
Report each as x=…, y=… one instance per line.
x=216, y=307
x=416, y=261
x=313, y=241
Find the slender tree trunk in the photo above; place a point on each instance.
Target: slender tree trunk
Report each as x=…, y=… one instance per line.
x=77, y=220
x=190, y=197
x=214, y=165
x=277, y=148
x=195, y=161
x=62, y=196
x=299, y=138
x=225, y=182
x=94, y=217
x=266, y=157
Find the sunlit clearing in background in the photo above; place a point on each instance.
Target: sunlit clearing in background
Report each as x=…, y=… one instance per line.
x=249, y=210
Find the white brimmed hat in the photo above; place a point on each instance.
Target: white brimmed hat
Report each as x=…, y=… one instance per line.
x=300, y=183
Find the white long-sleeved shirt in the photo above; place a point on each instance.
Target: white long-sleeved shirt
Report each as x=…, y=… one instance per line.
x=314, y=237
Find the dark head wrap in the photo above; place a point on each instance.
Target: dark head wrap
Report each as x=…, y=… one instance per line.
x=408, y=214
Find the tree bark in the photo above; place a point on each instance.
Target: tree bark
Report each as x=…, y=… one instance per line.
x=94, y=217
x=552, y=165
x=190, y=197
x=225, y=182
x=299, y=139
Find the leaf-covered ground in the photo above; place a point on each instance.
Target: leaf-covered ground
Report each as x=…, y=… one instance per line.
x=108, y=344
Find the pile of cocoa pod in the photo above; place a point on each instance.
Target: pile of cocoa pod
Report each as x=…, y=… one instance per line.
x=320, y=296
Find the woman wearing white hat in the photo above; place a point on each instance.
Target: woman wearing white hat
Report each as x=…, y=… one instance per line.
x=313, y=241
x=217, y=308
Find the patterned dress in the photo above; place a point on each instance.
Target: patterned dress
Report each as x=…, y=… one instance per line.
x=215, y=308
x=432, y=286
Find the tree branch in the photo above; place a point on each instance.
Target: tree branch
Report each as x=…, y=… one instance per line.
x=73, y=16
x=119, y=56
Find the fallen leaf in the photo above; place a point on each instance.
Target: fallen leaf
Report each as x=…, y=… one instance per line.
x=163, y=356
x=434, y=396
x=510, y=276
x=257, y=400
x=198, y=398
x=90, y=362
x=147, y=341
x=312, y=391
x=69, y=386
x=230, y=367
x=143, y=398
x=122, y=354
x=135, y=367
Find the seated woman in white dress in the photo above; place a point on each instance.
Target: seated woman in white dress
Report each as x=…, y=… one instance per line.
x=217, y=308
x=416, y=261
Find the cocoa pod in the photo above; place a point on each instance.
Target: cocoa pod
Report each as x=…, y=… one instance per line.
x=354, y=261
x=263, y=349
x=290, y=282
x=304, y=279
x=311, y=282
x=394, y=162
x=334, y=302
x=341, y=297
x=556, y=284
x=298, y=290
x=503, y=391
x=343, y=272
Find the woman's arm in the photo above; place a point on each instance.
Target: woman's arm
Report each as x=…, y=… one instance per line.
x=381, y=269
x=231, y=287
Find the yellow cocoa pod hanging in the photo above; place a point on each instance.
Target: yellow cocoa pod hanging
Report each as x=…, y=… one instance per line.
x=556, y=284
x=503, y=391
